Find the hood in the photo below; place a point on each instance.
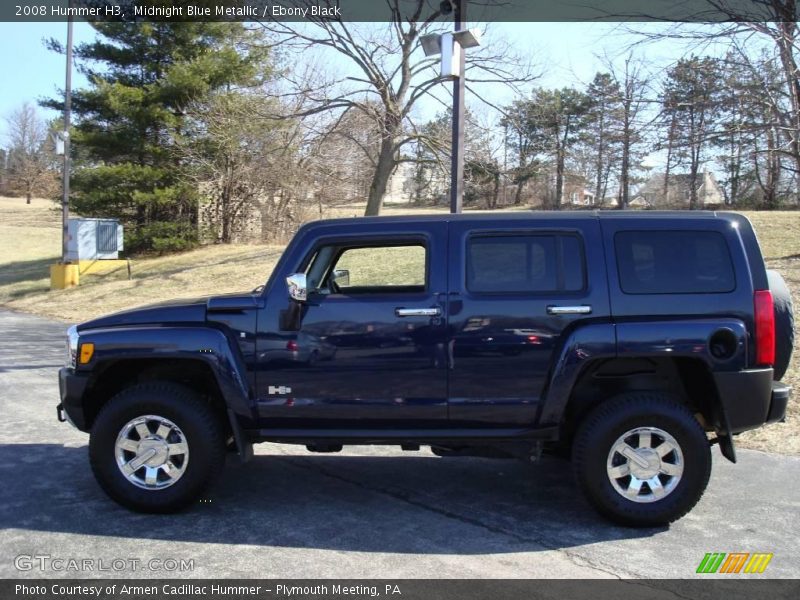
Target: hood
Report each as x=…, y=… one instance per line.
x=192, y=310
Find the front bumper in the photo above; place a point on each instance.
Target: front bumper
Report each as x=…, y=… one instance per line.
x=751, y=398
x=71, y=386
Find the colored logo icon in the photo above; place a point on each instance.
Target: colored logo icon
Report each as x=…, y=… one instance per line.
x=734, y=562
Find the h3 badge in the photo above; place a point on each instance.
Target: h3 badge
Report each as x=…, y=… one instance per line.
x=279, y=389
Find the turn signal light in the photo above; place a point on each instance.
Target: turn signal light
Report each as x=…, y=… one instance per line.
x=87, y=351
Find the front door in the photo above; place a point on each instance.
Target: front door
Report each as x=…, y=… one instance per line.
x=369, y=346
x=516, y=288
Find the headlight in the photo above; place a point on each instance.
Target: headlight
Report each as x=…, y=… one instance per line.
x=72, y=346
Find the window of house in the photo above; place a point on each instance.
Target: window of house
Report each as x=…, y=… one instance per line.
x=673, y=262
x=525, y=264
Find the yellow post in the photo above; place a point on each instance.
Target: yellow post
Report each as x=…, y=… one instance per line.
x=64, y=276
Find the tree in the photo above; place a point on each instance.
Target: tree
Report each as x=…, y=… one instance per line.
x=389, y=75
x=431, y=157
x=30, y=159
x=3, y=171
x=136, y=107
x=605, y=122
x=482, y=168
x=523, y=137
x=689, y=102
x=631, y=81
x=554, y=120
x=775, y=21
x=237, y=162
x=748, y=28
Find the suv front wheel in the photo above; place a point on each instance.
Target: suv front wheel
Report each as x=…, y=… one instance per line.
x=155, y=447
x=642, y=459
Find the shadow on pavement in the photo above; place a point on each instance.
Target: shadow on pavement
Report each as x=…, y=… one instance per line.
x=406, y=504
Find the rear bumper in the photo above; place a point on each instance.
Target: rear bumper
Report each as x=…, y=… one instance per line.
x=780, y=399
x=751, y=398
x=71, y=388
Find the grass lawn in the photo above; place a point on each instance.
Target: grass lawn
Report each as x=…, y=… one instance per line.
x=30, y=240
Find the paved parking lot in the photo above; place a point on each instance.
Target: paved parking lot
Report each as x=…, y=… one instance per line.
x=367, y=512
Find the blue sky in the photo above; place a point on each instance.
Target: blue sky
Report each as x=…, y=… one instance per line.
x=566, y=54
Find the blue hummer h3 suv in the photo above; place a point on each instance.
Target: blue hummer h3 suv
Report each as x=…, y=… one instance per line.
x=629, y=341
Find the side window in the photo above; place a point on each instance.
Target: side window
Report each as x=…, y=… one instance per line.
x=673, y=262
x=525, y=263
x=397, y=268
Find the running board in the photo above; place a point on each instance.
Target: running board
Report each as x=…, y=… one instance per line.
x=396, y=436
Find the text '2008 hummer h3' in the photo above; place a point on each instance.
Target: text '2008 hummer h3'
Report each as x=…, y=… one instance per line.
x=630, y=341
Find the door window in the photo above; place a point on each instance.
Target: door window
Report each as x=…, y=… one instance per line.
x=525, y=264
x=396, y=268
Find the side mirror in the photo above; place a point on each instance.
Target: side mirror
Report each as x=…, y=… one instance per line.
x=297, y=287
x=341, y=277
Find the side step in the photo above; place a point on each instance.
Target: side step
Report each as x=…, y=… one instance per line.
x=407, y=436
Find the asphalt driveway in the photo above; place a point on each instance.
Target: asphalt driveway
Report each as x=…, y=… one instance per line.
x=371, y=512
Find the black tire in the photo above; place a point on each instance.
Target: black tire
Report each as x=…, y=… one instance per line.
x=784, y=323
x=201, y=429
x=601, y=429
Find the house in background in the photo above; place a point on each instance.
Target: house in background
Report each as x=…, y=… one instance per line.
x=576, y=192
x=678, y=191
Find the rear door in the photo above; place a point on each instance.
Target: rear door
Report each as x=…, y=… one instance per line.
x=517, y=287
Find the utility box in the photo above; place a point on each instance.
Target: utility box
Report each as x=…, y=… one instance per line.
x=93, y=239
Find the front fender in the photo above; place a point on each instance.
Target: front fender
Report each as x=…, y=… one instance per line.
x=211, y=346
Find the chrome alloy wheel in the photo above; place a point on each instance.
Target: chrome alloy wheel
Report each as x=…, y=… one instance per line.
x=151, y=452
x=645, y=464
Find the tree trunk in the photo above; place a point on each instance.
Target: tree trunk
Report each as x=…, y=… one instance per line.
x=380, y=179
x=518, y=192
x=28, y=198
x=599, y=165
x=670, y=145
x=693, y=185
x=786, y=46
x=559, y=179
x=625, y=172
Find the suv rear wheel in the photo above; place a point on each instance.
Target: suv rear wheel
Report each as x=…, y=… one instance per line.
x=155, y=447
x=642, y=459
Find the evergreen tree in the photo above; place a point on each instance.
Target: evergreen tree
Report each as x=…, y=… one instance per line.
x=604, y=124
x=142, y=77
x=690, y=108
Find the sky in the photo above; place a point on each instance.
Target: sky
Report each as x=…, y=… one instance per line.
x=565, y=54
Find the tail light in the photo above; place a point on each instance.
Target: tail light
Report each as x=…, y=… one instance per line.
x=765, y=328
x=292, y=346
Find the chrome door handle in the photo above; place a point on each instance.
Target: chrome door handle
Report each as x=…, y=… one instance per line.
x=418, y=312
x=584, y=309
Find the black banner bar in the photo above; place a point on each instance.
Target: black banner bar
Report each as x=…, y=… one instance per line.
x=729, y=588
x=382, y=10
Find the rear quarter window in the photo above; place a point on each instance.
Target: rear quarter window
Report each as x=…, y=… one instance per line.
x=674, y=262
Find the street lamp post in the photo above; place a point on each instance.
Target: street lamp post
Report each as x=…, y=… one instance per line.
x=457, y=145
x=63, y=274
x=67, y=116
x=451, y=46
